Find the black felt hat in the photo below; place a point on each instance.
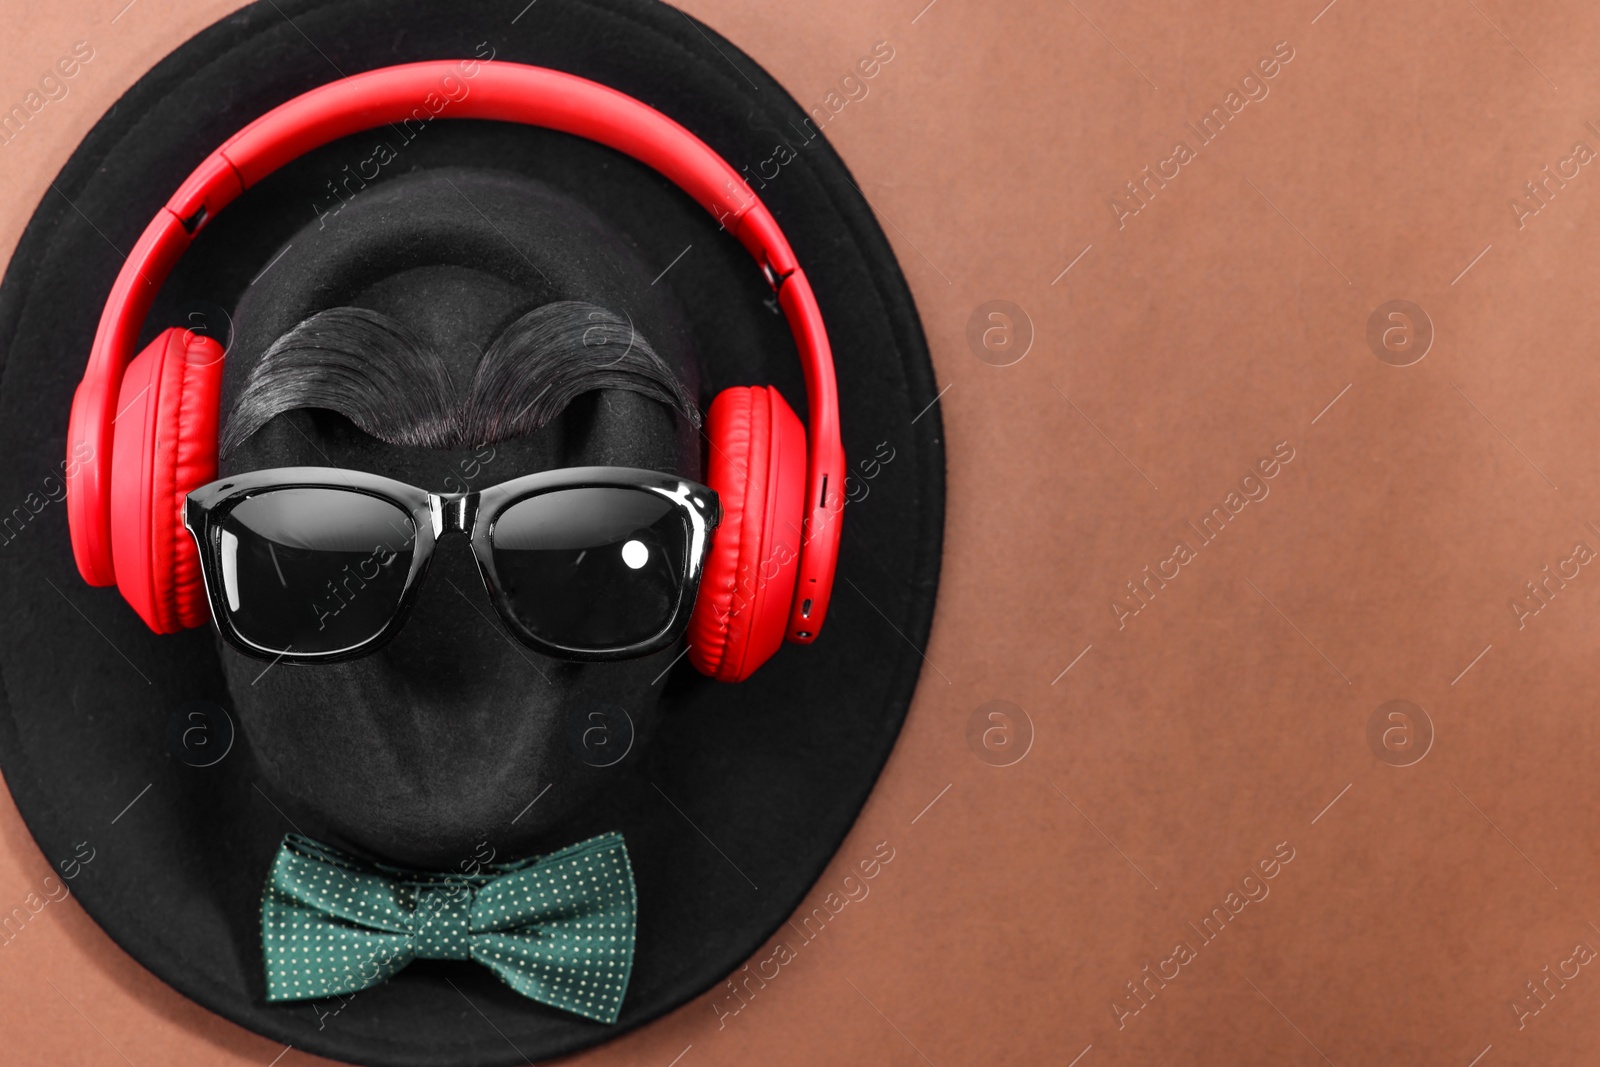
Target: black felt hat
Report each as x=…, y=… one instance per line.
x=180, y=775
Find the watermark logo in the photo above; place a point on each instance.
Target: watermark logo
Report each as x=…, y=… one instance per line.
x=1544, y=587
x=1253, y=887
x=1399, y=733
x=200, y=733
x=55, y=891
x=51, y=86
x=1141, y=589
x=1541, y=192
x=1399, y=332
x=208, y=320
x=1000, y=733
x=999, y=332
x=1140, y=192
x=601, y=735
x=1543, y=987
x=743, y=985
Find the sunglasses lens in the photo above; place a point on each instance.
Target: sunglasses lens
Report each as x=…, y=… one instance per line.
x=313, y=570
x=593, y=568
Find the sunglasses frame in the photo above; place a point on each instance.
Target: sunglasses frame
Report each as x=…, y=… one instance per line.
x=433, y=515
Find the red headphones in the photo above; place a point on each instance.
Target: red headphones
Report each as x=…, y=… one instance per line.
x=771, y=567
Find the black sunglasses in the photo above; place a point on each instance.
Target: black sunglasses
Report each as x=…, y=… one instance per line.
x=319, y=564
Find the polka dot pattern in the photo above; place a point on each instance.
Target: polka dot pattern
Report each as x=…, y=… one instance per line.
x=556, y=928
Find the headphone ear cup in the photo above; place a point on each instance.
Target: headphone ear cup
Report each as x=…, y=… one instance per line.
x=165, y=446
x=757, y=465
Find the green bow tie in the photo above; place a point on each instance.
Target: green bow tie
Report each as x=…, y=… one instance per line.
x=556, y=928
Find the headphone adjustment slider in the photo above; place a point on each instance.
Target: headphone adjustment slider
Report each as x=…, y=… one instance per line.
x=774, y=279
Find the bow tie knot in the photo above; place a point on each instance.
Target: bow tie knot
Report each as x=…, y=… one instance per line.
x=558, y=928
x=442, y=920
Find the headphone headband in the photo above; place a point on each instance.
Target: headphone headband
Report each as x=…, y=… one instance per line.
x=475, y=89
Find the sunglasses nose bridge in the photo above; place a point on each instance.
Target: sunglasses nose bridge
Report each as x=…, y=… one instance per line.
x=453, y=511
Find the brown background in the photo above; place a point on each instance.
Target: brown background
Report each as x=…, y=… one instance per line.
x=1233, y=710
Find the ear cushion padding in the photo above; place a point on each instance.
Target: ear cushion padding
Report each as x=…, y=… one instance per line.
x=165, y=446
x=757, y=465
